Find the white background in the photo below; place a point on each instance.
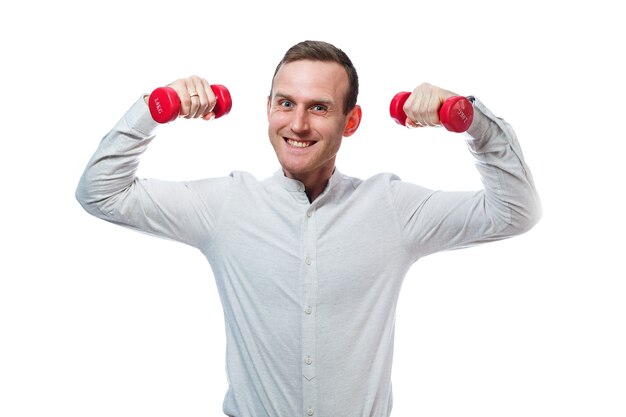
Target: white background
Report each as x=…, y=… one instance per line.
x=96, y=320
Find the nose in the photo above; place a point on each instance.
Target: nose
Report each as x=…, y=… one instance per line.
x=300, y=121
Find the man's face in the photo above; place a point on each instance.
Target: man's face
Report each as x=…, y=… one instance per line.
x=306, y=118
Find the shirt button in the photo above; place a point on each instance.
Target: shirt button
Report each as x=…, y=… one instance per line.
x=309, y=213
x=308, y=360
x=308, y=260
x=308, y=310
x=309, y=412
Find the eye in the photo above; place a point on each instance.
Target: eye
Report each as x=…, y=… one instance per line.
x=286, y=104
x=319, y=108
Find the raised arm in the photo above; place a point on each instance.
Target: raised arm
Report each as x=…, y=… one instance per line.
x=110, y=190
x=507, y=205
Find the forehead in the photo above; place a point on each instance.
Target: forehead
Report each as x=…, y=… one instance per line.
x=308, y=77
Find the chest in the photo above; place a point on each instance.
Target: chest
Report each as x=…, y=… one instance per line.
x=341, y=252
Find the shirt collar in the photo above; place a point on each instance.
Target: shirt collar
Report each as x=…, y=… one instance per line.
x=292, y=185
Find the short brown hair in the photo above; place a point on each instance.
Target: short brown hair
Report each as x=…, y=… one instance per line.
x=325, y=52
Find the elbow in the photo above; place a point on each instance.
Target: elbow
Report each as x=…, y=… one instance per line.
x=527, y=217
x=528, y=223
x=88, y=200
x=80, y=194
x=83, y=198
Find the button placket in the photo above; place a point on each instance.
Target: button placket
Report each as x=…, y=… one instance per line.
x=309, y=301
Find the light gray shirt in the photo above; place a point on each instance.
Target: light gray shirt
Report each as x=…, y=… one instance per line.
x=309, y=290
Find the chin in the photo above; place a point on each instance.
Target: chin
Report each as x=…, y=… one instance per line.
x=289, y=165
x=292, y=172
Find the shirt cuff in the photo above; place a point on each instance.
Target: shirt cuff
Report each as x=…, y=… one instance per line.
x=481, y=122
x=139, y=120
x=487, y=133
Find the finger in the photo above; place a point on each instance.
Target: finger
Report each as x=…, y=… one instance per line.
x=421, y=111
x=183, y=87
x=411, y=118
x=415, y=114
x=429, y=109
x=209, y=116
x=209, y=100
x=411, y=124
x=196, y=94
x=432, y=115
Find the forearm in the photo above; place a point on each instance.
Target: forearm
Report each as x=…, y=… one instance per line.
x=112, y=169
x=109, y=189
x=510, y=196
x=508, y=204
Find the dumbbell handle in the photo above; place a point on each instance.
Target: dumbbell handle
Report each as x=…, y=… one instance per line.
x=164, y=103
x=456, y=113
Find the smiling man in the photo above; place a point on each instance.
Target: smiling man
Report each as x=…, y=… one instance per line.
x=309, y=262
x=308, y=117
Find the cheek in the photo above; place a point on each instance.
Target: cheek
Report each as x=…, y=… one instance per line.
x=333, y=132
x=275, y=121
x=272, y=129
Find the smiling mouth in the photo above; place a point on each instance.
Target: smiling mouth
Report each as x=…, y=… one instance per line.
x=299, y=143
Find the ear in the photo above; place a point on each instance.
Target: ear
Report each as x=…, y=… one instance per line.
x=269, y=106
x=354, y=120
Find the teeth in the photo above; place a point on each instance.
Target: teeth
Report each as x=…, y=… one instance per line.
x=299, y=144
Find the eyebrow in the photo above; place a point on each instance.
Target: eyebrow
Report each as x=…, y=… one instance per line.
x=325, y=101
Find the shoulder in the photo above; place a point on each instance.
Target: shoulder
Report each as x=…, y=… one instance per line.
x=374, y=187
x=383, y=179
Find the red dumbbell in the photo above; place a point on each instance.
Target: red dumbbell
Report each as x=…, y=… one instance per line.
x=456, y=113
x=164, y=103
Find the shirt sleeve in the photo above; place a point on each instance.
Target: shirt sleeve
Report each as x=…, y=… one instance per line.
x=110, y=190
x=508, y=205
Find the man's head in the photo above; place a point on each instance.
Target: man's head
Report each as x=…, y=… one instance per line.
x=311, y=108
x=324, y=52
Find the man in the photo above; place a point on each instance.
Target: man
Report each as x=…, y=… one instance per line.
x=309, y=262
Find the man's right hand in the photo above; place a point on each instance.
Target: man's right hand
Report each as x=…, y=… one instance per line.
x=196, y=97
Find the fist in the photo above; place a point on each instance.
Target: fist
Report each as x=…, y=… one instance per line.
x=197, y=99
x=422, y=106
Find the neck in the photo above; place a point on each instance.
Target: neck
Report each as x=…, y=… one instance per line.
x=315, y=183
x=313, y=191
